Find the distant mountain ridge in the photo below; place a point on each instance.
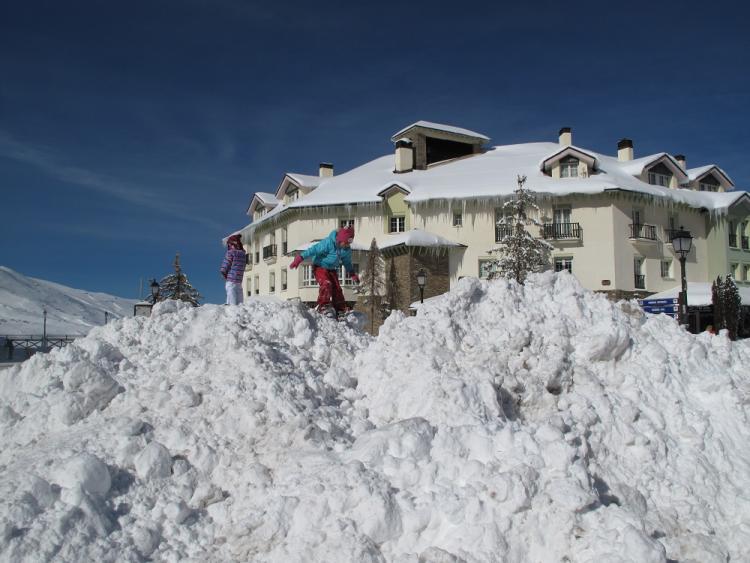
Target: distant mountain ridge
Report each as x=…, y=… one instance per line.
x=69, y=311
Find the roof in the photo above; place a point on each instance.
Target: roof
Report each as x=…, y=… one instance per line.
x=305, y=180
x=416, y=237
x=492, y=175
x=697, y=173
x=561, y=152
x=306, y=245
x=266, y=198
x=636, y=166
x=440, y=127
x=698, y=294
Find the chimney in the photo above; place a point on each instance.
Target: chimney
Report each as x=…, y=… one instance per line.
x=681, y=160
x=326, y=170
x=624, y=150
x=566, y=136
x=404, y=156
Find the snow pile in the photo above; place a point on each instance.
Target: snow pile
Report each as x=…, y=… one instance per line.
x=535, y=423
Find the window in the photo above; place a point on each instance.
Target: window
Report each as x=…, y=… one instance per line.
x=256, y=285
x=308, y=277
x=745, y=273
x=272, y=282
x=346, y=279
x=637, y=216
x=660, y=175
x=292, y=195
x=640, y=278
x=666, y=269
x=733, y=270
x=564, y=263
x=503, y=224
x=561, y=215
x=569, y=167
x=707, y=187
x=397, y=224
x=346, y=223
x=487, y=267
x=732, y=234
x=458, y=220
x=283, y=280
x=284, y=245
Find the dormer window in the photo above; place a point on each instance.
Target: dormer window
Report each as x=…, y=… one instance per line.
x=292, y=195
x=660, y=175
x=709, y=184
x=569, y=167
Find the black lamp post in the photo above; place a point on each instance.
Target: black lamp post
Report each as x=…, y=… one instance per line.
x=44, y=333
x=154, y=290
x=421, y=282
x=682, y=242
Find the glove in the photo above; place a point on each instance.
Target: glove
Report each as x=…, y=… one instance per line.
x=296, y=261
x=355, y=278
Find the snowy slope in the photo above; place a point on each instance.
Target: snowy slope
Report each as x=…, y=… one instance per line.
x=69, y=311
x=502, y=423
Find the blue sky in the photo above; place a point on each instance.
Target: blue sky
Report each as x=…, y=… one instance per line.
x=133, y=130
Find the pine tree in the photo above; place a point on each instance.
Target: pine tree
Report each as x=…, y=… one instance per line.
x=372, y=282
x=177, y=286
x=519, y=253
x=717, y=301
x=732, y=307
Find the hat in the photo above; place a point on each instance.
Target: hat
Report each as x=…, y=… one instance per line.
x=345, y=235
x=235, y=241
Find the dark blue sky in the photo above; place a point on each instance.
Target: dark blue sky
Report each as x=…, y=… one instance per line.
x=133, y=130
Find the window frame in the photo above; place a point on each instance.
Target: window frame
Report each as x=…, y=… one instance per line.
x=346, y=223
x=489, y=271
x=308, y=276
x=458, y=219
x=669, y=271
x=284, y=279
x=400, y=224
x=569, y=167
x=256, y=285
x=566, y=263
x=272, y=282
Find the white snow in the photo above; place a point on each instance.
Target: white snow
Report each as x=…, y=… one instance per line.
x=698, y=294
x=696, y=173
x=69, y=311
x=305, y=180
x=415, y=237
x=502, y=423
x=440, y=127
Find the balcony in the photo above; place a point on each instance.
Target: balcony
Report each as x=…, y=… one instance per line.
x=269, y=252
x=733, y=241
x=284, y=248
x=745, y=245
x=561, y=231
x=669, y=234
x=642, y=232
x=640, y=281
x=502, y=231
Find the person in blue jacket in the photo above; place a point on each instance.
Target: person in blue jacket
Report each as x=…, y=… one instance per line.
x=328, y=256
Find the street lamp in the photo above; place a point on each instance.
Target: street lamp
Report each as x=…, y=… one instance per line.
x=682, y=242
x=421, y=282
x=154, y=290
x=44, y=333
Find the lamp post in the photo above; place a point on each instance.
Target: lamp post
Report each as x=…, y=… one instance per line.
x=154, y=290
x=682, y=242
x=421, y=282
x=143, y=309
x=44, y=330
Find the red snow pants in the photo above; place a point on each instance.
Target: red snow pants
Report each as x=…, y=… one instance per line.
x=330, y=289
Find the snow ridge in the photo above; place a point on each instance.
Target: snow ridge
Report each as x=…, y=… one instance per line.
x=504, y=422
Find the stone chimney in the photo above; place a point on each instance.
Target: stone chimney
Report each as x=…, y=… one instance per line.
x=624, y=150
x=681, y=160
x=566, y=136
x=326, y=170
x=404, y=156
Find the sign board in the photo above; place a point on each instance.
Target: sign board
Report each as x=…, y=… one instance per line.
x=669, y=307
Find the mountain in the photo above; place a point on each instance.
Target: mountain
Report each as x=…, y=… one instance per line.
x=69, y=311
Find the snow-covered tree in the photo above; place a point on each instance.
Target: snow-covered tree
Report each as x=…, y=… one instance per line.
x=177, y=286
x=372, y=282
x=519, y=253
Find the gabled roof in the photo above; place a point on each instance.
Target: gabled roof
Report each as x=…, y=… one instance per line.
x=637, y=166
x=299, y=180
x=695, y=174
x=264, y=199
x=400, y=186
x=442, y=128
x=570, y=150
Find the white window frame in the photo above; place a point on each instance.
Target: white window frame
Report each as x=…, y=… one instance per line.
x=346, y=279
x=346, y=223
x=308, y=276
x=256, y=285
x=569, y=167
x=400, y=224
x=458, y=219
x=707, y=187
x=666, y=273
x=271, y=282
x=284, y=279
x=659, y=179
x=734, y=270
x=485, y=268
x=745, y=272
x=563, y=263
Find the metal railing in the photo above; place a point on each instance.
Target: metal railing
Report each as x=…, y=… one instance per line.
x=640, y=281
x=502, y=231
x=733, y=241
x=269, y=251
x=647, y=232
x=561, y=231
x=284, y=248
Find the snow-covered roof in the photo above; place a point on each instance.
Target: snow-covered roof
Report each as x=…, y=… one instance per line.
x=440, y=127
x=569, y=150
x=355, y=246
x=267, y=198
x=698, y=173
x=636, y=166
x=492, y=174
x=305, y=180
x=415, y=237
x=698, y=294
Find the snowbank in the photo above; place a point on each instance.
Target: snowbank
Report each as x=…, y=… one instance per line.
x=535, y=423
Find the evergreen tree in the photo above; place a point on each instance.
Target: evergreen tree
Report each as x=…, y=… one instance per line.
x=372, y=282
x=717, y=300
x=177, y=286
x=518, y=251
x=732, y=307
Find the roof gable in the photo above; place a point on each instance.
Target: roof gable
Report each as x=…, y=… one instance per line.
x=696, y=174
x=262, y=199
x=564, y=152
x=449, y=130
x=640, y=165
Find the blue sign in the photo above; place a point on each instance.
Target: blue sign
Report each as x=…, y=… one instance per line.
x=661, y=306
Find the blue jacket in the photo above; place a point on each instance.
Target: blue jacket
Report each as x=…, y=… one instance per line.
x=329, y=255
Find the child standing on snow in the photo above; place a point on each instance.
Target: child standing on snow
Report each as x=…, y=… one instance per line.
x=233, y=268
x=328, y=256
